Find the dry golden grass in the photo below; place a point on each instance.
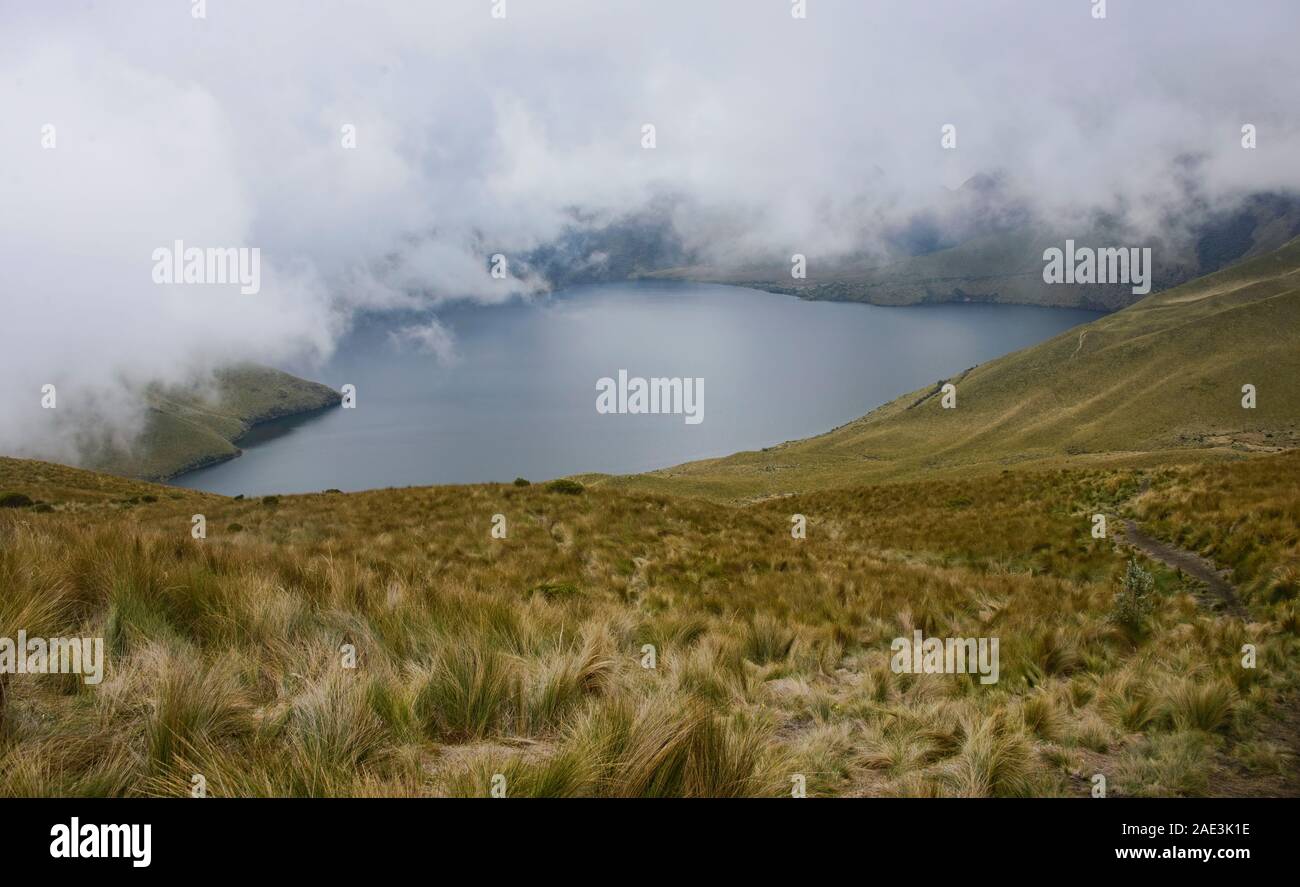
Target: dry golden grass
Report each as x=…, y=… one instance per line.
x=523, y=657
x=1247, y=519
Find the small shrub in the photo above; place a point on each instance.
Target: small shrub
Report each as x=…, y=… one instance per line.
x=14, y=500
x=271, y=501
x=565, y=486
x=523, y=482
x=1135, y=599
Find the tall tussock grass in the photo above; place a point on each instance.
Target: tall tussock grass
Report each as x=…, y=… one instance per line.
x=1191, y=704
x=194, y=700
x=467, y=694
x=631, y=645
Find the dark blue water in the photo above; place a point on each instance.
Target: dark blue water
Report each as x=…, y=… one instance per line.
x=520, y=400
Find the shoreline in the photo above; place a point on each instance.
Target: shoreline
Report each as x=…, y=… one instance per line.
x=253, y=425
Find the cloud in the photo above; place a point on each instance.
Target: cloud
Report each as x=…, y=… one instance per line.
x=476, y=135
x=431, y=338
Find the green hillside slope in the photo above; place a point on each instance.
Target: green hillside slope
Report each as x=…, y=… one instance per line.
x=190, y=428
x=1159, y=380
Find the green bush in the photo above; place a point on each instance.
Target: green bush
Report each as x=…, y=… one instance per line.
x=1135, y=599
x=523, y=482
x=565, y=486
x=14, y=500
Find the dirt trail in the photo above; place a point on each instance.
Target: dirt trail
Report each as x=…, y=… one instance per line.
x=1283, y=729
x=1078, y=347
x=1188, y=562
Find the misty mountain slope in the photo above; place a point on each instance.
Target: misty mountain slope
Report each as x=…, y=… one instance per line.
x=1005, y=264
x=1159, y=381
x=190, y=428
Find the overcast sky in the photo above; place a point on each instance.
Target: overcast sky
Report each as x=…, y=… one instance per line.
x=474, y=135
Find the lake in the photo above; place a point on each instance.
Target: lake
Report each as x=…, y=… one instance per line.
x=519, y=397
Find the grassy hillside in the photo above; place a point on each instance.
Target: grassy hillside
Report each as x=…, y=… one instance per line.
x=1244, y=519
x=1160, y=381
x=525, y=656
x=190, y=428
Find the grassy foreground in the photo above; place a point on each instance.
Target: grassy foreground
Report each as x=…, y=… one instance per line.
x=524, y=657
